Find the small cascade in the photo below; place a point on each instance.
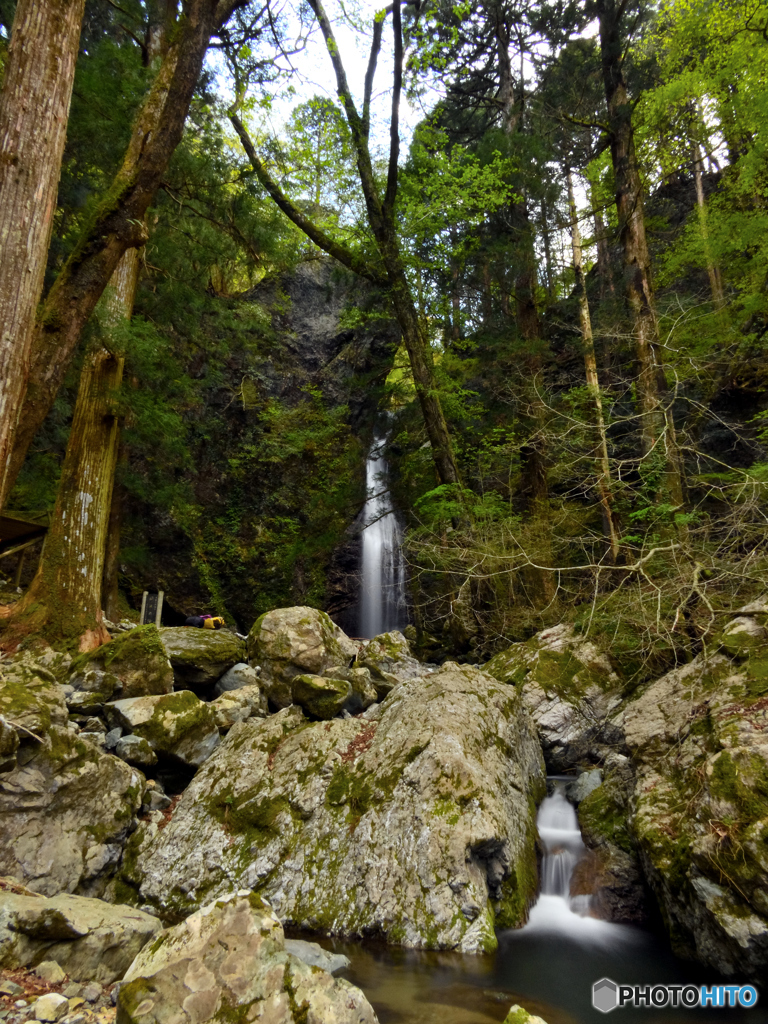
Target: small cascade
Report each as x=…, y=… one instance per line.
x=383, y=603
x=556, y=911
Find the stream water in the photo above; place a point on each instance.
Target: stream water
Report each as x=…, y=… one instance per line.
x=548, y=966
x=383, y=603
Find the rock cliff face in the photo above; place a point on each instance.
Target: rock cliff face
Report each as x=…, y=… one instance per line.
x=415, y=823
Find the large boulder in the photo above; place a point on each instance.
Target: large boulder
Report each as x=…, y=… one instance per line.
x=290, y=642
x=319, y=696
x=226, y=963
x=177, y=725
x=698, y=739
x=416, y=824
x=571, y=691
x=67, y=807
x=133, y=664
x=89, y=939
x=389, y=660
x=201, y=656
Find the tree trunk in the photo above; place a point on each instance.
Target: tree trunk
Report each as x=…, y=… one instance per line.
x=713, y=271
x=64, y=600
x=604, y=273
x=34, y=108
x=602, y=465
x=656, y=425
x=118, y=223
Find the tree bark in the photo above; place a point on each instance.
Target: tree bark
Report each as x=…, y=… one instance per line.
x=713, y=271
x=118, y=223
x=656, y=425
x=602, y=464
x=34, y=109
x=64, y=599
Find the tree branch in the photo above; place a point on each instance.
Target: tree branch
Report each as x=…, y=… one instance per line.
x=339, y=252
x=394, y=125
x=378, y=27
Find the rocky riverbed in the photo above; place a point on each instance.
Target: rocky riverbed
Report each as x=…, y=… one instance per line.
x=180, y=784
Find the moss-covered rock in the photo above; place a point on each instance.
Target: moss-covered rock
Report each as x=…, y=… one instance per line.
x=228, y=963
x=200, y=656
x=67, y=808
x=176, y=725
x=389, y=659
x=238, y=705
x=289, y=642
x=133, y=664
x=699, y=741
x=320, y=697
x=418, y=825
x=570, y=689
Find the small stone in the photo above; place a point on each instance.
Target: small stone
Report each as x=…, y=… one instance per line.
x=75, y=1003
x=94, y=725
x=158, y=801
x=136, y=750
x=20, y=1004
x=50, y=971
x=51, y=1007
x=72, y=990
x=92, y=991
x=74, y=1018
x=110, y=740
x=10, y=988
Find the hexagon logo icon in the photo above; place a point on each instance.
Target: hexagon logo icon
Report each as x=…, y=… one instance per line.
x=605, y=995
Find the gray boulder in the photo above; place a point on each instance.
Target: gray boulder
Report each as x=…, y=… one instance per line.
x=135, y=750
x=236, y=677
x=90, y=940
x=362, y=694
x=417, y=825
x=571, y=691
x=133, y=664
x=9, y=744
x=67, y=807
x=228, y=962
x=238, y=705
x=289, y=642
x=200, y=656
x=313, y=954
x=177, y=725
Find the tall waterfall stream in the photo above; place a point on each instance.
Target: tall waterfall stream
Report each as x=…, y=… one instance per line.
x=549, y=965
x=383, y=605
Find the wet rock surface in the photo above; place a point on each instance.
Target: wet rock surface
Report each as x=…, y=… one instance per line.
x=417, y=825
x=229, y=961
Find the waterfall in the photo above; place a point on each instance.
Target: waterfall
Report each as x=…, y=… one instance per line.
x=382, y=585
x=556, y=911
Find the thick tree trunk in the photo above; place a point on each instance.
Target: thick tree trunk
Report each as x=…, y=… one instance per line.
x=64, y=600
x=34, y=108
x=713, y=271
x=656, y=425
x=118, y=223
x=602, y=464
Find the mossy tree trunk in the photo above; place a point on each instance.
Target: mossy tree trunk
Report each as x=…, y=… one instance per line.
x=602, y=464
x=657, y=430
x=64, y=601
x=118, y=223
x=713, y=271
x=34, y=109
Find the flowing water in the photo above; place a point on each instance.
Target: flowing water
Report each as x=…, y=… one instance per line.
x=383, y=603
x=548, y=966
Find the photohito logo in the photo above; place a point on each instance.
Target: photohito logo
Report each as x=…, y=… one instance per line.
x=607, y=995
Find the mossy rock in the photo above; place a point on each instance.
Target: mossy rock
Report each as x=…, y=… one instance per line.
x=137, y=658
x=200, y=657
x=320, y=697
x=178, y=725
